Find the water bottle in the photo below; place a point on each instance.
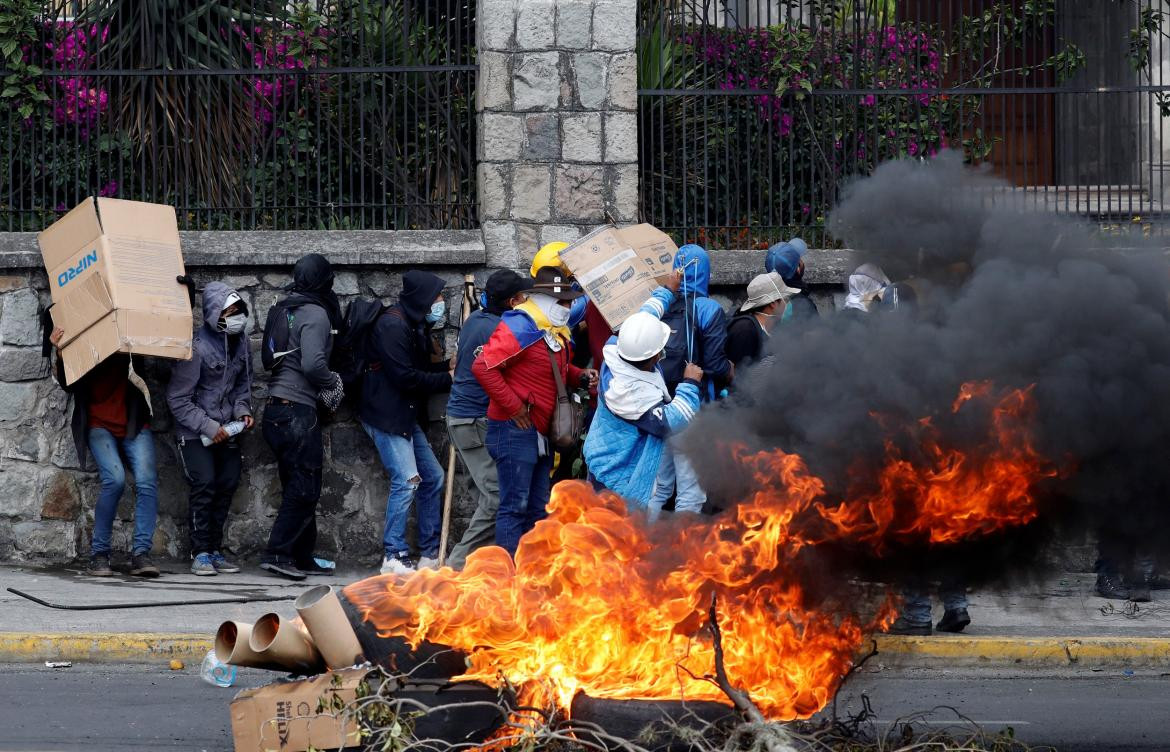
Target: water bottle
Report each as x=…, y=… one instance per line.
x=216, y=672
x=232, y=429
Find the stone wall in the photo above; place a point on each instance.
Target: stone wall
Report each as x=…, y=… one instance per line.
x=558, y=125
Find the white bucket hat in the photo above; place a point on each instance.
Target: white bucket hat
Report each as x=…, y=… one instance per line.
x=766, y=288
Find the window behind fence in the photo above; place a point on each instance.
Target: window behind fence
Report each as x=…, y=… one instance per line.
x=754, y=114
x=335, y=114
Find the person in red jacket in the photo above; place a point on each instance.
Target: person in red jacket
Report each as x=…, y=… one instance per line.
x=515, y=369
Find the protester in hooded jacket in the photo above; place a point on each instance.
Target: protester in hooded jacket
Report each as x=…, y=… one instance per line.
x=394, y=391
x=206, y=394
x=111, y=419
x=865, y=286
x=787, y=260
x=698, y=335
x=467, y=410
x=515, y=369
x=291, y=424
x=635, y=412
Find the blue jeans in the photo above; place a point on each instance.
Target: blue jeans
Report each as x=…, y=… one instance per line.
x=109, y=452
x=524, y=481
x=415, y=475
x=916, y=599
x=675, y=469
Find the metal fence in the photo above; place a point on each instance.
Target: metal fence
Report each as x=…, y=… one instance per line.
x=332, y=114
x=754, y=113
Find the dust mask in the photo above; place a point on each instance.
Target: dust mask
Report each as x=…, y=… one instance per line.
x=438, y=312
x=234, y=324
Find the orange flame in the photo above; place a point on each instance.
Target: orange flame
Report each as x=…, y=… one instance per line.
x=600, y=602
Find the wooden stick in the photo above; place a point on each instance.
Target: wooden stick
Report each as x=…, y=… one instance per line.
x=449, y=491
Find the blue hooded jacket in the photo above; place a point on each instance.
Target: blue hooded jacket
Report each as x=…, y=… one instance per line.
x=707, y=318
x=214, y=387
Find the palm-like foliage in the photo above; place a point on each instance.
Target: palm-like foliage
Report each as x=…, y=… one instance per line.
x=191, y=128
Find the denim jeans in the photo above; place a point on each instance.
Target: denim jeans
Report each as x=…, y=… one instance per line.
x=109, y=452
x=916, y=599
x=415, y=476
x=294, y=433
x=524, y=481
x=675, y=469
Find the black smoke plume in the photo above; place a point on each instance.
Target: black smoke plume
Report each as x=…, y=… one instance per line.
x=1008, y=294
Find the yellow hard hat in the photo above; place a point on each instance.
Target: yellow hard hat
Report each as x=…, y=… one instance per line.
x=549, y=255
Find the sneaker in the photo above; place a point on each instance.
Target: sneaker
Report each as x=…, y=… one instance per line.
x=283, y=569
x=428, y=562
x=1110, y=586
x=903, y=627
x=399, y=563
x=142, y=566
x=955, y=620
x=99, y=566
x=222, y=565
x=203, y=566
x=312, y=567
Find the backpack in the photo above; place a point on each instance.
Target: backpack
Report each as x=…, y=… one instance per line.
x=350, y=358
x=274, y=346
x=674, y=357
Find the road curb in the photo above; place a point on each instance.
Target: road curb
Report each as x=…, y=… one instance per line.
x=995, y=651
x=938, y=651
x=102, y=647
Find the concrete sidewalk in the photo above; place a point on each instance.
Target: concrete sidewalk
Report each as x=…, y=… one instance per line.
x=1059, y=623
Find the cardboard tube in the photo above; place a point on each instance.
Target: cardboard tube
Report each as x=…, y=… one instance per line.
x=231, y=646
x=329, y=627
x=278, y=640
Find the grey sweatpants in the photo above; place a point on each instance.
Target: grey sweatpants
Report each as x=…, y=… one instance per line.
x=468, y=437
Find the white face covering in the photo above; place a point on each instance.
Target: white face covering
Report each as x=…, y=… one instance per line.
x=558, y=315
x=235, y=324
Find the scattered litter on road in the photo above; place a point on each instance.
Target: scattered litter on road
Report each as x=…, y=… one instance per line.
x=58, y=664
x=177, y=665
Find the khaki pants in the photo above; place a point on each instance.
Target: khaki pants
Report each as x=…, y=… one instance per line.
x=468, y=436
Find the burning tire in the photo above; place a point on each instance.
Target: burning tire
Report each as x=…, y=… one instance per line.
x=630, y=719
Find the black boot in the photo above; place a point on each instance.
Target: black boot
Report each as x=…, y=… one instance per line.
x=1111, y=586
x=954, y=620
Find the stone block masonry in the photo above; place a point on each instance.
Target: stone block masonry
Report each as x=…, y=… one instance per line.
x=558, y=138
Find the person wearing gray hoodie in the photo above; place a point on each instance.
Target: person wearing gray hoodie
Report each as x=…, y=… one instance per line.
x=210, y=399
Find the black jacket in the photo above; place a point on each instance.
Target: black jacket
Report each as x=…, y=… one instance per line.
x=137, y=411
x=400, y=376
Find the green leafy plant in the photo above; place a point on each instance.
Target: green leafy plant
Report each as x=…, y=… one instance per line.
x=19, y=32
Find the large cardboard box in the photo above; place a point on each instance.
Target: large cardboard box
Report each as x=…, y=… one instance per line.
x=619, y=268
x=112, y=266
x=294, y=716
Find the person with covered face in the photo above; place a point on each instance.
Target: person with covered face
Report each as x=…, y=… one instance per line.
x=768, y=299
x=210, y=399
x=515, y=369
x=291, y=424
x=698, y=335
x=866, y=284
x=394, y=395
x=636, y=412
x=467, y=409
x=787, y=260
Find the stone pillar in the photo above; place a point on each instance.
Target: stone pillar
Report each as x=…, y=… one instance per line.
x=558, y=127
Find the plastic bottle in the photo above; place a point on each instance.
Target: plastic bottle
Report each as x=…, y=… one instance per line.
x=216, y=672
x=233, y=429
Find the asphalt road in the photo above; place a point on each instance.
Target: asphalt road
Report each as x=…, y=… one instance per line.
x=104, y=708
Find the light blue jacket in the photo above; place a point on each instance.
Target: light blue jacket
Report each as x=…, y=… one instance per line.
x=623, y=454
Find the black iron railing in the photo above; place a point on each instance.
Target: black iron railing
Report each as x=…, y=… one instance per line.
x=755, y=113
x=331, y=114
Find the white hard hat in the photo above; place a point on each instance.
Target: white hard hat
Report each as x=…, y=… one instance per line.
x=641, y=337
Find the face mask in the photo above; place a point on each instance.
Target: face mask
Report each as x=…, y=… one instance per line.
x=438, y=311
x=234, y=324
x=558, y=315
